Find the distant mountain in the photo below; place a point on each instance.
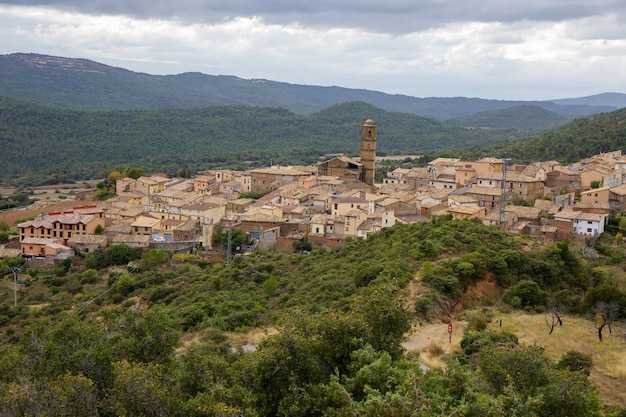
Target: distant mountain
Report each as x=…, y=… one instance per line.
x=605, y=99
x=577, y=140
x=531, y=119
x=82, y=84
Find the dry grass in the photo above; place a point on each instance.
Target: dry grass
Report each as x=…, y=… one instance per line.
x=435, y=350
x=609, y=356
x=253, y=337
x=435, y=334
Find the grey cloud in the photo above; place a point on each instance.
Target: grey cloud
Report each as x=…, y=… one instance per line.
x=392, y=16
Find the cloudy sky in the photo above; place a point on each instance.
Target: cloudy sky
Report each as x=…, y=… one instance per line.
x=502, y=49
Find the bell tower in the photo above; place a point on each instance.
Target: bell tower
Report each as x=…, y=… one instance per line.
x=368, y=150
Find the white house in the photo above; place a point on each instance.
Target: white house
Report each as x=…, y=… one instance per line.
x=589, y=224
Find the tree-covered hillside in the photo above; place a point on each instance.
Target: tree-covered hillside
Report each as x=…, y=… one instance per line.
x=148, y=340
x=577, y=140
x=51, y=145
x=532, y=119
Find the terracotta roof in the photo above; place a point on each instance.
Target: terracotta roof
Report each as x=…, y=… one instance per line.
x=510, y=177
x=465, y=209
x=128, y=238
x=88, y=239
x=39, y=240
x=567, y=214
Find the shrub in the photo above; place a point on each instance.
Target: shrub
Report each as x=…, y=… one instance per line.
x=526, y=293
x=89, y=276
x=423, y=304
x=576, y=362
x=125, y=285
x=160, y=293
x=435, y=350
x=477, y=323
x=473, y=342
x=73, y=285
x=191, y=316
x=442, y=283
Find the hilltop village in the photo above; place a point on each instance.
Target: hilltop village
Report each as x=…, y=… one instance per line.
x=334, y=200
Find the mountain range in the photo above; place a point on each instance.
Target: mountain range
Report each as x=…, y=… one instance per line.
x=69, y=119
x=82, y=84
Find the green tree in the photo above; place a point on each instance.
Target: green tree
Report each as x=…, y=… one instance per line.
x=250, y=194
x=134, y=172
x=71, y=395
x=157, y=256
x=70, y=345
x=119, y=254
x=140, y=389
x=114, y=176
x=524, y=293
x=238, y=237
x=149, y=337
x=96, y=260
x=270, y=286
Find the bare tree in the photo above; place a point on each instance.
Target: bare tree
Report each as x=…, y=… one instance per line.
x=604, y=315
x=553, y=316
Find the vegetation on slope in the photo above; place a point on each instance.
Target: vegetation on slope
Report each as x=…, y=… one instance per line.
x=532, y=119
x=51, y=145
x=109, y=343
x=575, y=141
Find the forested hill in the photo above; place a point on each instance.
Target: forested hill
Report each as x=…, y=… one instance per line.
x=51, y=145
x=82, y=84
x=577, y=140
x=533, y=119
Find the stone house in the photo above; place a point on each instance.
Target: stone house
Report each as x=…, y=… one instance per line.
x=60, y=226
x=596, y=195
x=341, y=166
x=523, y=187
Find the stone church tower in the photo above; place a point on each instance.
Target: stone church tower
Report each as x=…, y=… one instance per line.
x=368, y=151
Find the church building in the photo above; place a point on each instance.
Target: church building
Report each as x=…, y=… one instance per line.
x=363, y=169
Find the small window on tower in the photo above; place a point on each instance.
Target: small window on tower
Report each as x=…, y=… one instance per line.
x=369, y=133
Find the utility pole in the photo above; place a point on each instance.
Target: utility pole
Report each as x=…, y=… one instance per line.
x=15, y=271
x=503, y=194
x=229, y=255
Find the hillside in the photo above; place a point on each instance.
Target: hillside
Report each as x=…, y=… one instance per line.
x=532, y=119
x=103, y=339
x=570, y=143
x=81, y=84
x=58, y=145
